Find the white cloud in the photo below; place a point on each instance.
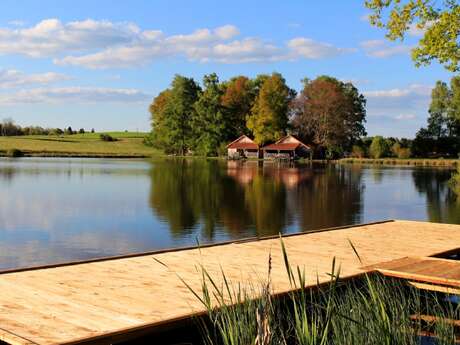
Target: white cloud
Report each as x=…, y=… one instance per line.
x=404, y=117
x=51, y=37
x=398, y=111
x=10, y=78
x=103, y=44
x=412, y=91
x=307, y=48
x=382, y=49
x=408, y=103
x=74, y=94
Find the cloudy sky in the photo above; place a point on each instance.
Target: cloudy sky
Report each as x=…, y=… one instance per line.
x=99, y=63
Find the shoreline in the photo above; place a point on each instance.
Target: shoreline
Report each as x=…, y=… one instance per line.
x=421, y=162
x=427, y=162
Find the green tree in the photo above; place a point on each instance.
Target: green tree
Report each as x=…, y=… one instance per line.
x=160, y=135
x=454, y=107
x=439, y=110
x=441, y=137
x=269, y=115
x=379, y=147
x=177, y=115
x=439, y=22
x=329, y=113
x=209, y=125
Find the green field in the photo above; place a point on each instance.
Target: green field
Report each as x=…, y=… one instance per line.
x=128, y=144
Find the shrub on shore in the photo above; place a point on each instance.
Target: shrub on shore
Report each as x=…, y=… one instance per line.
x=14, y=153
x=107, y=137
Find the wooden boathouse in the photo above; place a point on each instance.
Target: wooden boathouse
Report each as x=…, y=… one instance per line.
x=109, y=300
x=288, y=147
x=243, y=147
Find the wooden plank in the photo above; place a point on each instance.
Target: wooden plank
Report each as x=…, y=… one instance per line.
x=110, y=299
x=422, y=269
x=434, y=319
x=435, y=288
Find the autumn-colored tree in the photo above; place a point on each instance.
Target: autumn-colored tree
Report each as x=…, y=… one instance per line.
x=157, y=109
x=269, y=114
x=237, y=100
x=329, y=113
x=437, y=21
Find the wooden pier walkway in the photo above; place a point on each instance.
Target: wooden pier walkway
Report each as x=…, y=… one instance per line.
x=108, y=300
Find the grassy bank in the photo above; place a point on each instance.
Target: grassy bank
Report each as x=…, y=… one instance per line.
x=128, y=144
x=400, y=161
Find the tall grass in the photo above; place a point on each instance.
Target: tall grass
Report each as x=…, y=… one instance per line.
x=369, y=310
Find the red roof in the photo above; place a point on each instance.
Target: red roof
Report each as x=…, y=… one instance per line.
x=282, y=146
x=286, y=146
x=239, y=144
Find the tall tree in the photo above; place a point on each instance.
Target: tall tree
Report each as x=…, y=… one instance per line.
x=269, y=115
x=209, y=125
x=159, y=137
x=329, y=113
x=439, y=110
x=238, y=99
x=438, y=22
x=178, y=113
x=454, y=109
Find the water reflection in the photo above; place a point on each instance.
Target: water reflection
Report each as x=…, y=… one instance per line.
x=67, y=209
x=253, y=198
x=443, y=204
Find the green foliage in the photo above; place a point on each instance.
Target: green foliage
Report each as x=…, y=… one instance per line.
x=209, y=123
x=442, y=135
x=358, y=152
x=106, y=137
x=379, y=147
x=172, y=112
x=400, y=152
x=269, y=115
x=438, y=22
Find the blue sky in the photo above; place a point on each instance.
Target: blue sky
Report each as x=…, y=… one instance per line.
x=99, y=63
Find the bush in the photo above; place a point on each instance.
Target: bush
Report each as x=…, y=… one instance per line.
x=14, y=153
x=379, y=148
x=358, y=152
x=401, y=152
x=107, y=137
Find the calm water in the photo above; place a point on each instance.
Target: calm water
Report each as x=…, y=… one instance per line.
x=54, y=210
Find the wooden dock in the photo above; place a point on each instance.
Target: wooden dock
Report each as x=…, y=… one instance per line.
x=108, y=300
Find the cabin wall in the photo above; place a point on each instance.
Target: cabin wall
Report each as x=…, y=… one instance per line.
x=232, y=153
x=251, y=153
x=269, y=154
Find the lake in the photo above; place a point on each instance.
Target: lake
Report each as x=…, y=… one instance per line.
x=55, y=209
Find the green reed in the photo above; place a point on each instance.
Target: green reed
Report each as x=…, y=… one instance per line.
x=371, y=310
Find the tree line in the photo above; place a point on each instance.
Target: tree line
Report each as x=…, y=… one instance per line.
x=9, y=128
x=201, y=119
x=441, y=136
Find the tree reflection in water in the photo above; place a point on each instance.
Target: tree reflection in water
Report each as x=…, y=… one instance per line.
x=253, y=198
x=443, y=204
